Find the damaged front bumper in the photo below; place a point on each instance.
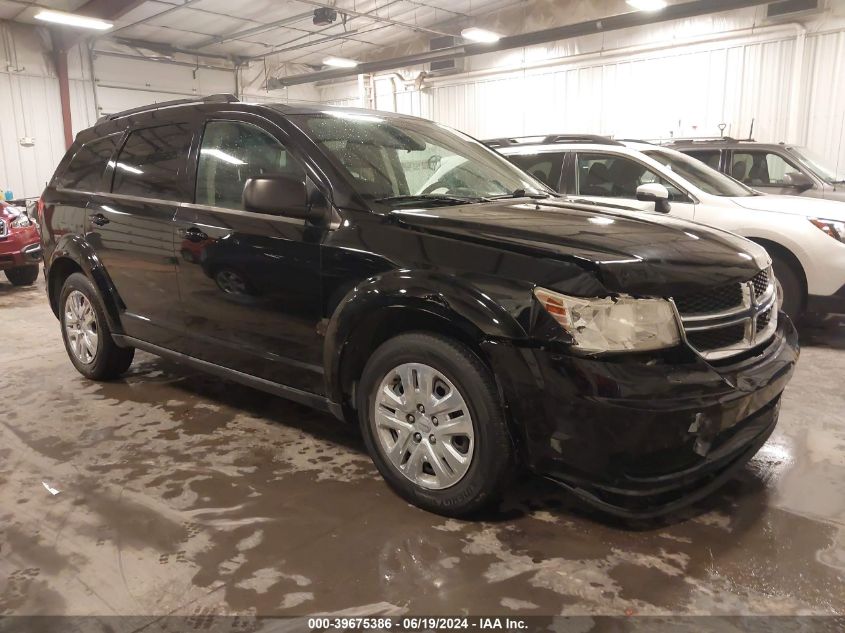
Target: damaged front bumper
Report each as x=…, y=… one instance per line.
x=642, y=436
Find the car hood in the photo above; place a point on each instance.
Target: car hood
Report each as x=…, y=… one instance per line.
x=794, y=205
x=637, y=253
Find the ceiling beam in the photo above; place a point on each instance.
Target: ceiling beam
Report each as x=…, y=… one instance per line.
x=171, y=8
x=612, y=23
x=255, y=30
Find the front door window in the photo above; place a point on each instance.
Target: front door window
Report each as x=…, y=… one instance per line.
x=615, y=176
x=233, y=152
x=762, y=169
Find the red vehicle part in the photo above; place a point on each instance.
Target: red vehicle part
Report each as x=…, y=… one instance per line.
x=20, y=245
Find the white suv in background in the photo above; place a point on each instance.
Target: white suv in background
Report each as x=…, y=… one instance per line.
x=805, y=237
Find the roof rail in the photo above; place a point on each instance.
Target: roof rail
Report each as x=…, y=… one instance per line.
x=703, y=139
x=551, y=139
x=636, y=140
x=215, y=98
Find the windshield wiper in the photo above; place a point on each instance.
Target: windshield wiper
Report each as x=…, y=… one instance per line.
x=519, y=193
x=429, y=197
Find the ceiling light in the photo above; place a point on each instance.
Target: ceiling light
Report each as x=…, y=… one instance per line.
x=70, y=19
x=480, y=35
x=647, y=5
x=340, y=62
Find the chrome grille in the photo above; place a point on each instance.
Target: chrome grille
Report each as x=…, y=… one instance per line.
x=763, y=319
x=3, y=228
x=760, y=281
x=728, y=320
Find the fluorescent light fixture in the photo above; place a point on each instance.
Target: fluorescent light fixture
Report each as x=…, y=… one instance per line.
x=480, y=35
x=340, y=62
x=647, y=5
x=71, y=19
x=221, y=155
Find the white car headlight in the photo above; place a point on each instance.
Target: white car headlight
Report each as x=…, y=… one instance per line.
x=613, y=324
x=834, y=228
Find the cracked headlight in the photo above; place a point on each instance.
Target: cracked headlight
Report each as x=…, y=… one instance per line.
x=613, y=324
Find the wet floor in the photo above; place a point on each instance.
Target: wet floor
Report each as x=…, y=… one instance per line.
x=172, y=492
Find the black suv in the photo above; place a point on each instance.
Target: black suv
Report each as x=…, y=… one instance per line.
x=395, y=272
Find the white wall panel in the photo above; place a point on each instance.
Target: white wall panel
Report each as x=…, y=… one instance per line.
x=674, y=92
x=823, y=128
x=675, y=80
x=128, y=83
x=30, y=107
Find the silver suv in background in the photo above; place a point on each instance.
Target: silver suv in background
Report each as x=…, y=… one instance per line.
x=769, y=167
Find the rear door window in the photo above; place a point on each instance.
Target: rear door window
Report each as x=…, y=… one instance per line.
x=152, y=163
x=544, y=167
x=85, y=170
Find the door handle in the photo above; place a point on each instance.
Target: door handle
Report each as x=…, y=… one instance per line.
x=193, y=234
x=99, y=219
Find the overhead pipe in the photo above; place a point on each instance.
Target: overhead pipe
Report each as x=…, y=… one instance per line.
x=590, y=27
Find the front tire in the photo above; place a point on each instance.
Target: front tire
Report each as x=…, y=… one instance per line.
x=433, y=424
x=86, y=332
x=790, y=287
x=22, y=275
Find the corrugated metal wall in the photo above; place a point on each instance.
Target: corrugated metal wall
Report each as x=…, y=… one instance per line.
x=823, y=99
x=686, y=84
x=645, y=96
x=29, y=107
x=677, y=90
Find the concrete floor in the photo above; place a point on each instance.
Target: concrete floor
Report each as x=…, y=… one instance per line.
x=174, y=492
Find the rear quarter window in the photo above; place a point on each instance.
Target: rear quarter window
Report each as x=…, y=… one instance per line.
x=85, y=169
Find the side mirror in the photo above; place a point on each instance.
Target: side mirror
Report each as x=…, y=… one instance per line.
x=656, y=193
x=799, y=181
x=280, y=195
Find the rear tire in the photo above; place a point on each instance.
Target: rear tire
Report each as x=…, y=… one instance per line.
x=466, y=468
x=86, y=332
x=790, y=286
x=23, y=275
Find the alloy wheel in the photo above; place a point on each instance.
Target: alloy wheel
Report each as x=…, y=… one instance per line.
x=81, y=327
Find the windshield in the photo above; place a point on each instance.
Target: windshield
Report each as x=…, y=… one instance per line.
x=705, y=178
x=411, y=161
x=818, y=165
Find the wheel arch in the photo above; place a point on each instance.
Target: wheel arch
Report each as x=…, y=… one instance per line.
x=777, y=249
x=75, y=255
x=384, y=307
